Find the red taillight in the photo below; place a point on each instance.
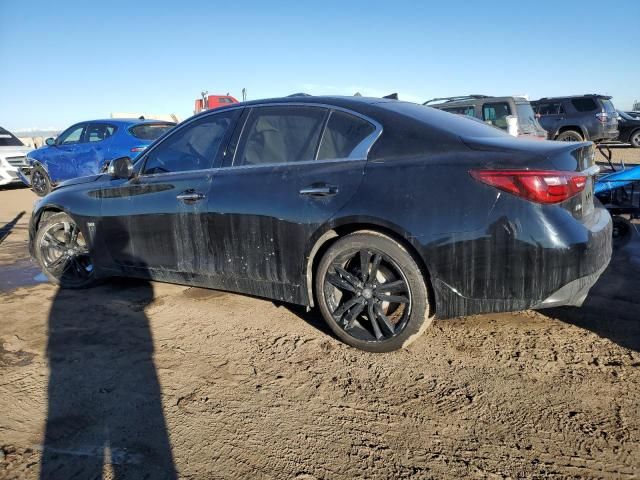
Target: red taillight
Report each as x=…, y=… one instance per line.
x=602, y=116
x=541, y=186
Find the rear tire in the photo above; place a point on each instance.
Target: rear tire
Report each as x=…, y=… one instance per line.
x=622, y=231
x=372, y=293
x=634, y=139
x=63, y=253
x=569, y=136
x=40, y=181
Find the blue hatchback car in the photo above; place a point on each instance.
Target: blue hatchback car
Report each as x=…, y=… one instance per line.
x=86, y=148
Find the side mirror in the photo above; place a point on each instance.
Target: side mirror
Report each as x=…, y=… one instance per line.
x=50, y=142
x=121, y=168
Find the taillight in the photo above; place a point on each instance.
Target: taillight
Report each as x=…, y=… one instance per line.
x=138, y=149
x=602, y=116
x=540, y=186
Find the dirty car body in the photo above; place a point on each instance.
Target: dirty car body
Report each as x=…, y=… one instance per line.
x=418, y=175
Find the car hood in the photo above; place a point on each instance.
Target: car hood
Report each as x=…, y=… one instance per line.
x=80, y=180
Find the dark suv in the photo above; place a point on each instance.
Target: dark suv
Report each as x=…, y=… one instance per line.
x=494, y=111
x=578, y=118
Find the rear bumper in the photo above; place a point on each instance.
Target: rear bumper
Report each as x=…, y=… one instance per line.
x=508, y=271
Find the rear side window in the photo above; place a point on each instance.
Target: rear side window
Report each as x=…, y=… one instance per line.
x=7, y=139
x=150, y=131
x=280, y=135
x=496, y=114
x=343, y=134
x=550, y=109
x=96, y=132
x=193, y=147
x=584, y=104
x=470, y=111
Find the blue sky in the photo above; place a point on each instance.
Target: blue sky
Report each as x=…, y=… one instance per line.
x=69, y=61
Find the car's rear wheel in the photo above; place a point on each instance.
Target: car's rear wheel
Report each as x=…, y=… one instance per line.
x=40, y=181
x=63, y=253
x=634, y=139
x=569, y=136
x=372, y=293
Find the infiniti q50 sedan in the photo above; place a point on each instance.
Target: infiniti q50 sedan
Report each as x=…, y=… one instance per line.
x=383, y=214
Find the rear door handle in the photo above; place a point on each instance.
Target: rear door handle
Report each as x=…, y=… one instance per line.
x=190, y=196
x=319, y=190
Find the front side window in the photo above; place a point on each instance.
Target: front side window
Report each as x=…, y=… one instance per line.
x=280, y=135
x=343, y=134
x=72, y=136
x=193, y=147
x=96, y=132
x=496, y=114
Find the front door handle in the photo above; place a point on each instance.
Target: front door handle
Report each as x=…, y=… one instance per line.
x=319, y=190
x=190, y=196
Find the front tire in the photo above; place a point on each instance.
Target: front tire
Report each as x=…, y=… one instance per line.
x=634, y=139
x=40, y=181
x=569, y=136
x=372, y=293
x=63, y=253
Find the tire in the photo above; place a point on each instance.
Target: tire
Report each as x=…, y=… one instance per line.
x=40, y=181
x=348, y=298
x=569, y=136
x=63, y=254
x=634, y=139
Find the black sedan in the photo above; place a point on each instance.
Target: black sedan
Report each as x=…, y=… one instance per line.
x=629, y=127
x=384, y=214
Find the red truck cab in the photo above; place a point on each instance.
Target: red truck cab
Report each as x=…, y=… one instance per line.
x=213, y=101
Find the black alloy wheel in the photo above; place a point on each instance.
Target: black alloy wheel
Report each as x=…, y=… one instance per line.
x=40, y=182
x=372, y=293
x=63, y=252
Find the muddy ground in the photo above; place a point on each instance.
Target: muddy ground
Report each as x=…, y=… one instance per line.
x=153, y=381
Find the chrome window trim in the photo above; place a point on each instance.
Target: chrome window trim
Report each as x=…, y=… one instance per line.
x=360, y=152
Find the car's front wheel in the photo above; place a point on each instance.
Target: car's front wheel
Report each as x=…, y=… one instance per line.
x=40, y=181
x=372, y=293
x=63, y=253
x=634, y=139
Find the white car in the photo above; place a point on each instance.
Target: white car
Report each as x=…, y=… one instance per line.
x=13, y=156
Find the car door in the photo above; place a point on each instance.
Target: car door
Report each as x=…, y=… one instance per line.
x=289, y=171
x=551, y=116
x=92, y=154
x=60, y=158
x=153, y=221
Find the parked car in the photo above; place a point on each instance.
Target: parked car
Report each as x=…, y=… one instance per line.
x=494, y=111
x=86, y=148
x=629, y=128
x=578, y=118
x=382, y=213
x=633, y=114
x=12, y=157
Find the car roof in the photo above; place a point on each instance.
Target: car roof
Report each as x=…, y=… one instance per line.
x=569, y=97
x=126, y=121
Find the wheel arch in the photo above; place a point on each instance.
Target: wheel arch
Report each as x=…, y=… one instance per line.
x=576, y=128
x=326, y=238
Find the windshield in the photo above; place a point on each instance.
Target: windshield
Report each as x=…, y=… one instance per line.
x=150, y=131
x=525, y=114
x=625, y=116
x=9, y=140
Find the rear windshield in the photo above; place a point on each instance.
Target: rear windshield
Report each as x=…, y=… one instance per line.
x=457, y=124
x=608, y=106
x=7, y=139
x=525, y=114
x=150, y=131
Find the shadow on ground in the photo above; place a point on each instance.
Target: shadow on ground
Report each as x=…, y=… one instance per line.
x=6, y=229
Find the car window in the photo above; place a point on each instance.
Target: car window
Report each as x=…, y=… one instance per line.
x=584, y=104
x=608, y=106
x=280, y=135
x=193, y=147
x=343, y=134
x=7, y=139
x=525, y=114
x=470, y=111
x=150, y=131
x=496, y=114
x=550, y=109
x=224, y=100
x=72, y=136
x=96, y=132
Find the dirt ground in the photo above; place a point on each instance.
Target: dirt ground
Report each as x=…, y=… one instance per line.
x=139, y=380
